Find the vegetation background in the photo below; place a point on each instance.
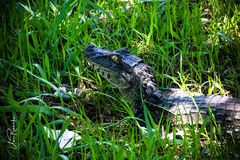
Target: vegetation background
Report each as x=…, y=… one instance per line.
x=191, y=44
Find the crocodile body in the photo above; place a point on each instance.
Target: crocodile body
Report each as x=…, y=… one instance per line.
x=133, y=78
x=194, y=109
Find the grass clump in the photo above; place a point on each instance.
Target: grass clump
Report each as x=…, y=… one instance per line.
x=193, y=45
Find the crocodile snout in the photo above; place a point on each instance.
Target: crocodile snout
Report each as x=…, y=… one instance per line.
x=89, y=48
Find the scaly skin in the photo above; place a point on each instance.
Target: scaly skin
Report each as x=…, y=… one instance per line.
x=226, y=110
x=132, y=76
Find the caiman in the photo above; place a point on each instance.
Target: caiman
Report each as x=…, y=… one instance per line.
x=135, y=80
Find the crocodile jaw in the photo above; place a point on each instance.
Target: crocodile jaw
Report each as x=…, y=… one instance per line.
x=118, y=79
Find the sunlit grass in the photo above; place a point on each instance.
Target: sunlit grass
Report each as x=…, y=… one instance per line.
x=192, y=46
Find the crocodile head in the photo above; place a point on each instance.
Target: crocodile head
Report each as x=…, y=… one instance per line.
x=115, y=66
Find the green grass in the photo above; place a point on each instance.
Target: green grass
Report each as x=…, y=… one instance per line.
x=190, y=45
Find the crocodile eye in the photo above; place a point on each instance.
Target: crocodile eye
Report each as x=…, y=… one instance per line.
x=114, y=58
